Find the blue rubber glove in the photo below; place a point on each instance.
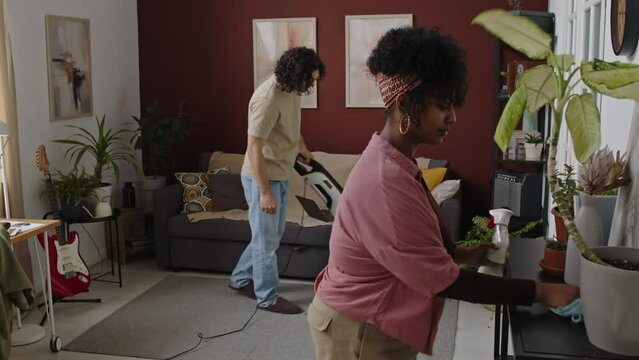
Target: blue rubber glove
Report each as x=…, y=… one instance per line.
x=572, y=310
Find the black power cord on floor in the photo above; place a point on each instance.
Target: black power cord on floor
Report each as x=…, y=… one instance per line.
x=202, y=337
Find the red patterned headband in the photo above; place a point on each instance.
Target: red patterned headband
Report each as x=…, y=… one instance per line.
x=390, y=87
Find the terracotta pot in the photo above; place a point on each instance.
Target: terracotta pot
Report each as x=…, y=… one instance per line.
x=554, y=258
x=560, y=228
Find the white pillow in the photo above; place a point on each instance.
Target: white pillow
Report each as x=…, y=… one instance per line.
x=445, y=190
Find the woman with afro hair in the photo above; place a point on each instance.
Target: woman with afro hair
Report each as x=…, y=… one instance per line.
x=392, y=260
x=274, y=142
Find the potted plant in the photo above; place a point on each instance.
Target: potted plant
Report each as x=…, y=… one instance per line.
x=599, y=178
x=73, y=189
x=108, y=149
x=533, y=146
x=554, y=260
x=602, y=176
x=552, y=85
x=568, y=189
x=156, y=132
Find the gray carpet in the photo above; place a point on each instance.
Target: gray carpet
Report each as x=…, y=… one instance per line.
x=166, y=319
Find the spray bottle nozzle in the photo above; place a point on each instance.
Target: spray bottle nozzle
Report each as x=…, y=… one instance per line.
x=491, y=223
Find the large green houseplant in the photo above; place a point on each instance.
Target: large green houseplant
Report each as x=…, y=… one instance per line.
x=108, y=148
x=157, y=131
x=552, y=85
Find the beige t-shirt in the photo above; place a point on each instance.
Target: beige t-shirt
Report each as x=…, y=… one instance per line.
x=275, y=117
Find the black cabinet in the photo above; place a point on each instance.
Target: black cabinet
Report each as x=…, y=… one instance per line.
x=519, y=183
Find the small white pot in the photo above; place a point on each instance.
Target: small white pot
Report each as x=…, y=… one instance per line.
x=533, y=151
x=101, y=194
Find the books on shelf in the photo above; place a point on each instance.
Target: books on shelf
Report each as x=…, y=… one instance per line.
x=139, y=239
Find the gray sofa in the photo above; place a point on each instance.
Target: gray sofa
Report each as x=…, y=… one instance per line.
x=216, y=244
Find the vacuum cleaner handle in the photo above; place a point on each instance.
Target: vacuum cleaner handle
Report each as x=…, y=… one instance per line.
x=301, y=169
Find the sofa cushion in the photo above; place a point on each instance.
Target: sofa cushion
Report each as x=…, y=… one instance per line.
x=227, y=192
x=240, y=231
x=433, y=176
x=196, y=195
x=446, y=190
x=220, y=159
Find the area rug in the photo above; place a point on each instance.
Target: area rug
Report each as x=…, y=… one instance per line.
x=166, y=319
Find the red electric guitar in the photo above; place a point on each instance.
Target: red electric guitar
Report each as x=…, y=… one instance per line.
x=69, y=273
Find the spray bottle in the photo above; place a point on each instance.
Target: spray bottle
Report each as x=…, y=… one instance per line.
x=501, y=218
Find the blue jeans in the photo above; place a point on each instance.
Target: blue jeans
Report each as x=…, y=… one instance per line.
x=258, y=261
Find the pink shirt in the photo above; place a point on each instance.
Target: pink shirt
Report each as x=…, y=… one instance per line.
x=387, y=258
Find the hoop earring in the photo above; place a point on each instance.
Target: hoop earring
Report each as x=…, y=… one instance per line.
x=407, y=117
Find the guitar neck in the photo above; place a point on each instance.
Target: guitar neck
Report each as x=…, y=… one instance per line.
x=53, y=206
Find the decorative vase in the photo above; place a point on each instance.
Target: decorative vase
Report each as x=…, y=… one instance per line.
x=589, y=225
x=100, y=194
x=605, y=208
x=609, y=298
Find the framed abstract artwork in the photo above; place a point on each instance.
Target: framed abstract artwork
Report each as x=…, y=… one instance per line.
x=271, y=37
x=362, y=34
x=69, y=67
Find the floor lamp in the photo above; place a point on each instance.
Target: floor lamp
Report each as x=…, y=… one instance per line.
x=4, y=133
x=24, y=333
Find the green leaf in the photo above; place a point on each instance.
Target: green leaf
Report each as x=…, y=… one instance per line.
x=613, y=79
x=562, y=62
x=583, y=120
x=510, y=118
x=541, y=86
x=518, y=32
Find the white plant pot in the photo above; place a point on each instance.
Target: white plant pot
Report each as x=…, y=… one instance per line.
x=609, y=298
x=146, y=189
x=102, y=194
x=533, y=151
x=588, y=223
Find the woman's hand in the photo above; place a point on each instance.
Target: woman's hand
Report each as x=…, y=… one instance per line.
x=556, y=295
x=474, y=255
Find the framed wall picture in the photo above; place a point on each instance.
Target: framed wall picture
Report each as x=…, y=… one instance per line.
x=362, y=34
x=271, y=37
x=69, y=67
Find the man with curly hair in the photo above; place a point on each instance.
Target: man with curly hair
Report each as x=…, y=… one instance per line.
x=274, y=142
x=392, y=258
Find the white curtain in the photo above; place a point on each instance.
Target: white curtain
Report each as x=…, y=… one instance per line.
x=625, y=222
x=8, y=114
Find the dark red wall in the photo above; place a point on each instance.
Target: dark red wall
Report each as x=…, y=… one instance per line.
x=201, y=51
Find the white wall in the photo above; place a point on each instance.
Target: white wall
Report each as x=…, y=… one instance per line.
x=116, y=88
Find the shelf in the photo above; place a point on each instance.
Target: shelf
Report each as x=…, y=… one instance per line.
x=521, y=161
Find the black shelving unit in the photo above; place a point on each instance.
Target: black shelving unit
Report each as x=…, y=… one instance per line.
x=546, y=21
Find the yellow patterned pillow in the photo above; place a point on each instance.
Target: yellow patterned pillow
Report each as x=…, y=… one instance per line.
x=196, y=196
x=433, y=176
